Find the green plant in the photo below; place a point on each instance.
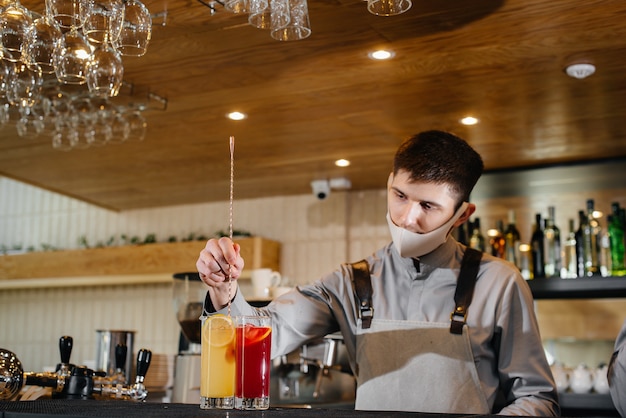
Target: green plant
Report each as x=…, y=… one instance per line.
x=82, y=242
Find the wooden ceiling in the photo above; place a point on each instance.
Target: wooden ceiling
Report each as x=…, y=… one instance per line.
x=313, y=101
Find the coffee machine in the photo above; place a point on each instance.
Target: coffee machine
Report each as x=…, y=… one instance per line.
x=188, y=296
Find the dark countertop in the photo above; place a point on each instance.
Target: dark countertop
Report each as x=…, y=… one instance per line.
x=55, y=408
x=127, y=409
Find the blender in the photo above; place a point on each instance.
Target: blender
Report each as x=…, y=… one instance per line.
x=188, y=297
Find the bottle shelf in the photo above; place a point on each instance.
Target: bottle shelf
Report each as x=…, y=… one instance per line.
x=580, y=288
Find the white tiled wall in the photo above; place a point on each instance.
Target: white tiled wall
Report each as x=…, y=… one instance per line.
x=316, y=236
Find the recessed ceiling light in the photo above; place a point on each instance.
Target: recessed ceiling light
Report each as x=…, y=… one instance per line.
x=236, y=116
x=469, y=120
x=381, y=54
x=580, y=71
x=342, y=162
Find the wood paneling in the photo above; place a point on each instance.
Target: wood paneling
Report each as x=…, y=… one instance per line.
x=313, y=101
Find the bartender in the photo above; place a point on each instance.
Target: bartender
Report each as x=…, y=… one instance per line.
x=422, y=333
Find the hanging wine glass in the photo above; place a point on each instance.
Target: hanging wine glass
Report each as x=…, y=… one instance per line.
x=68, y=14
x=120, y=129
x=64, y=138
x=237, y=6
x=136, y=30
x=5, y=115
x=388, y=7
x=297, y=27
x=31, y=124
x=103, y=117
x=58, y=106
x=102, y=20
x=279, y=14
x=82, y=121
x=71, y=58
x=42, y=37
x=25, y=82
x=137, y=126
x=105, y=71
x=6, y=68
x=260, y=14
x=15, y=21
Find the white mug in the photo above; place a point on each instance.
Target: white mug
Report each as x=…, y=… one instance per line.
x=263, y=280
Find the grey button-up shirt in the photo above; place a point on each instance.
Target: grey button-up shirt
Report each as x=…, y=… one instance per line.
x=503, y=329
x=617, y=373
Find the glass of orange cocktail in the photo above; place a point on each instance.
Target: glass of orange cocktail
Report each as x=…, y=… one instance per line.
x=217, y=376
x=253, y=349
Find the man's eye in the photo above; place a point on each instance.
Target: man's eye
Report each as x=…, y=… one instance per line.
x=426, y=206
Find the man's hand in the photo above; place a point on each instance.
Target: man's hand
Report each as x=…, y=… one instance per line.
x=219, y=260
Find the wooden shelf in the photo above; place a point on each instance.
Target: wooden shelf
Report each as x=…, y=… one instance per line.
x=148, y=263
x=580, y=288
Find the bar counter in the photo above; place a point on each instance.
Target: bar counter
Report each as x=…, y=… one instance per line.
x=55, y=408
x=122, y=409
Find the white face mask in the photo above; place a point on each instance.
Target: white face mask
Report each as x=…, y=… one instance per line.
x=413, y=244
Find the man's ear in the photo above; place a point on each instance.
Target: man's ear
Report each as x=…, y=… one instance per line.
x=471, y=208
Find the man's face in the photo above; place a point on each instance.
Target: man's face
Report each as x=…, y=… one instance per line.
x=418, y=206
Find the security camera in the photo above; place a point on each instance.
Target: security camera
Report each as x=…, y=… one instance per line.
x=321, y=189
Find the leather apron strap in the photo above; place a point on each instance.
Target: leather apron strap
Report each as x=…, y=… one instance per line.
x=465, y=289
x=362, y=285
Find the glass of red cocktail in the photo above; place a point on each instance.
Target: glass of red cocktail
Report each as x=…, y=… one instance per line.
x=253, y=337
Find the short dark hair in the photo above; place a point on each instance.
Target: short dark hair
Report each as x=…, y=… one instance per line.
x=440, y=157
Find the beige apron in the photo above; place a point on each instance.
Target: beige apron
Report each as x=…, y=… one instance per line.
x=416, y=366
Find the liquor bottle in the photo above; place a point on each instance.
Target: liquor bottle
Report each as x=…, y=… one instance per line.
x=537, y=248
x=497, y=243
x=580, y=245
x=570, y=269
x=552, y=246
x=616, y=241
x=477, y=239
x=512, y=240
x=591, y=244
x=604, y=256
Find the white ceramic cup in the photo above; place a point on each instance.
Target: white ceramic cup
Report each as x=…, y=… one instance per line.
x=263, y=280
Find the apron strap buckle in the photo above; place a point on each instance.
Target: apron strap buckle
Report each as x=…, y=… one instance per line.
x=367, y=313
x=457, y=320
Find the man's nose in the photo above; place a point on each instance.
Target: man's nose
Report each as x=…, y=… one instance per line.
x=412, y=215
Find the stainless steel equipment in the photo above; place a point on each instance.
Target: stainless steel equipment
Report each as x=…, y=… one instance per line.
x=188, y=297
x=317, y=374
x=114, y=353
x=70, y=381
